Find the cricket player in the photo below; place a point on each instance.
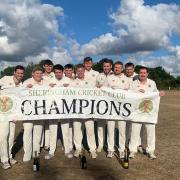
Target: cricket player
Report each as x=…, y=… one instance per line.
x=143, y=85
x=101, y=81
x=117, y=81
x=48, y=75
x=59, y=81
x=81, y=81
x=33, y=129
x=7, y=128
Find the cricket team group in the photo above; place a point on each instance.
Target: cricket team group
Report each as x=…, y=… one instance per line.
x=43, y=134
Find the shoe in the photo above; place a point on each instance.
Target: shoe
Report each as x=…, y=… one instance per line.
x=25, y=159
x=6, y=165
x=93, y=155
x=140, y=149
x=121, y=154
x=99, y=149
x=77, y=153
x=152, y=155
x=48, y=156
x=12, y=161
x=132, y=155
x=46, y=148
x=69, y=155
x=110, y=154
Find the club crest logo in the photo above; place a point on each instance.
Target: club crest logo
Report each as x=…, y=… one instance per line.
x=6, y=104
x=146, y=106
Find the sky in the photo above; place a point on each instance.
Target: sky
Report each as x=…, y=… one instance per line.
x=144, y=32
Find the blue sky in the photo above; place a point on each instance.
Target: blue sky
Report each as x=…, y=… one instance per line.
x=142, y=31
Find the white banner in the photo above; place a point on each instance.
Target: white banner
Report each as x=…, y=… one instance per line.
x=44, y=103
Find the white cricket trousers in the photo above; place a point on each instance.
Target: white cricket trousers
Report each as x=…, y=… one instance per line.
x=135, y=134
x=78, y=136
x=111, y=133
x=66, y=127
x=52, y=137
x=101, y=132
x=7, y=131
x=32, y=138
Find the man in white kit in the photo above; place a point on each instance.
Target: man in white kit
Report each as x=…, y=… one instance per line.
x=81, y=81
x=101, y=81
x=143, y=85
x=117, y=81
x=48, y=75
x=132, y=76
x=8, y=128
x=59, y=81
x=33, y=129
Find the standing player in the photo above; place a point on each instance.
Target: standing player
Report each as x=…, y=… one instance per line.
x=48, y=75
x=33, y=129
x=81, y=81
x=117, y=81
x=101, y=81
x=59, y=81
x=143, y=85
x=8, y=128
x=132, y=76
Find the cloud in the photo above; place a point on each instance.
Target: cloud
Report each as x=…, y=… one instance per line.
x=136, y=28
x=26, y=28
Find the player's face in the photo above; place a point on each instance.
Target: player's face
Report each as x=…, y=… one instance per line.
x=19, y=74
x=118, y=68
x=88, y=65
x=37, y=75
x=107, y=68
x=80, y=73
x=143, y=75
x=48, y=68
x=129, y=71
x=58, y=74
x=68, y=72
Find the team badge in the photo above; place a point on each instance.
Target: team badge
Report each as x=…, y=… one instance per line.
x=6, y=104
x=146, y=106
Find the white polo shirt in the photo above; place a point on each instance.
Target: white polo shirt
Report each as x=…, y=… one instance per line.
x=8, y=81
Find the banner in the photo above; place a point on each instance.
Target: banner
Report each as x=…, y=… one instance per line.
x=44, y=103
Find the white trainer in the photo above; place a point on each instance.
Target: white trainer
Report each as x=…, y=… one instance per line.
x=140, y=149
x=77, y=153
x=110, y=154
x=99, y=149
x=69, y=155
x=152, y=155
x=48, y=156
x=93, y=154
x=121, y=154
x=132, y=155
x=6, y=165
x=12, y=161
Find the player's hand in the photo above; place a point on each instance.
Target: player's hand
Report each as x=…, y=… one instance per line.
x=142, y=90
x=65, y=85
x=52, y=84
x=29, y=86
x=162, y=93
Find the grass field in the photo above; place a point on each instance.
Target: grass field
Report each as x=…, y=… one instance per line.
x=165, y=167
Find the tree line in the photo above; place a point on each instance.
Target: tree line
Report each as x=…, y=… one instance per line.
x=163, y=79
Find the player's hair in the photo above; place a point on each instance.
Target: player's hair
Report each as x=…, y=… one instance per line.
x=87, y=59
x=47, y=62
x=79, y=66
x=58, y=67
x=68, y=66
x=143, y=67
x=129, y=64
x=19, y=67
x=37, y=68
x=118, y=62
x=106, y=60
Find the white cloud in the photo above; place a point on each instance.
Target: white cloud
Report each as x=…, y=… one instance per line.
x=136, y=28
x=25, y=28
